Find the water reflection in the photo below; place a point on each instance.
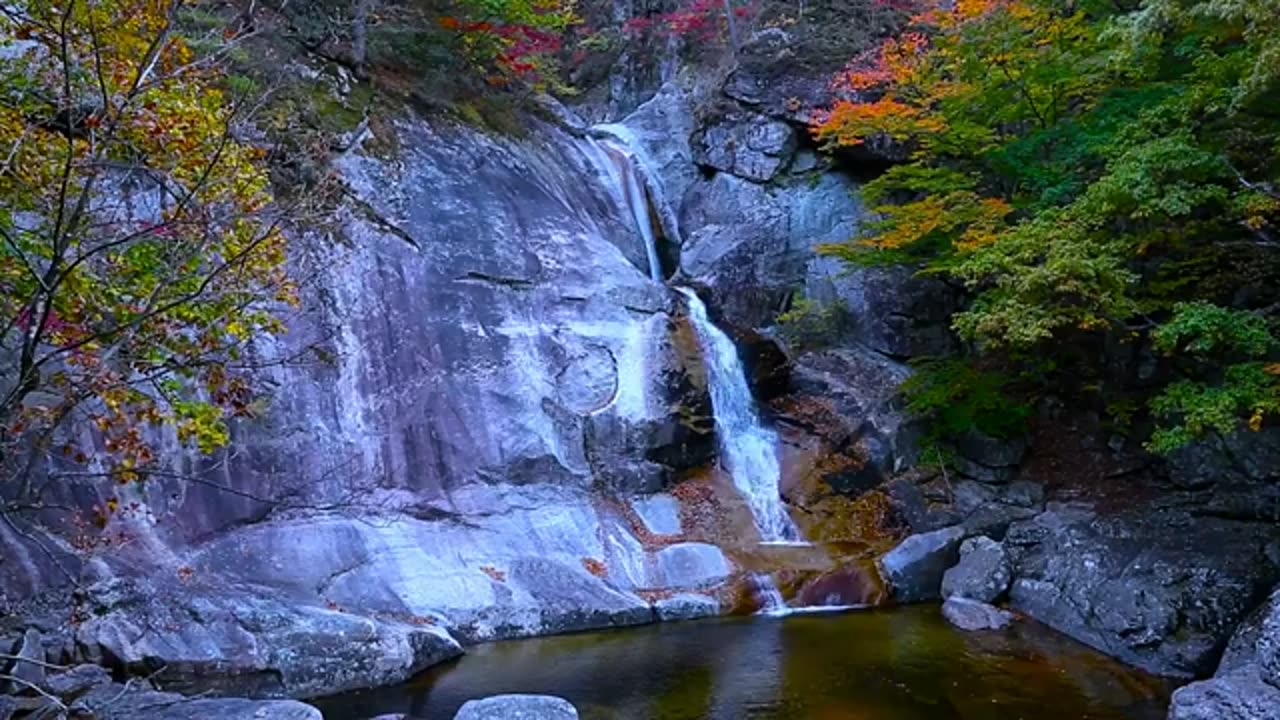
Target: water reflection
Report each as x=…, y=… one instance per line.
x=903, y=664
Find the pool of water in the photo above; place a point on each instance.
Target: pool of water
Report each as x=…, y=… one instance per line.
x=899, y=664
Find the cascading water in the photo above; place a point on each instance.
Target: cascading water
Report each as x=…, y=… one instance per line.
x=771, y=602
x=620, y=169
x=747, y=448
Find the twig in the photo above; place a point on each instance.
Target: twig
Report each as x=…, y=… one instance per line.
x=33, y=686
x=41, y=663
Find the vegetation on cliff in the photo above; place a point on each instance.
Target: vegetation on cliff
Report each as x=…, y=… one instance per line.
x=1102, y=178
x=140, y=251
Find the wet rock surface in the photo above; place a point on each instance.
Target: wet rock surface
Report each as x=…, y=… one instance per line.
x=686, y=606
x=915, y=567
x=973, y=615
x=518, y=707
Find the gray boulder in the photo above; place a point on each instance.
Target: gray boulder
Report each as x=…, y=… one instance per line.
x=1232, y=697
x=29, y=667
x=688, y=565
x=686, y=606
x=989, y=459
x=240, y=642
x=1153, y=586
x=232, y=709
x=744, y=144
x=518, y=707
x=982, y=573
x=77, y=680
x=1247, y=684
x=914, y=568
x=659, y=513
x=972, y=615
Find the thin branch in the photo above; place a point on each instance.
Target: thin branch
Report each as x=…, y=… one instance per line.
x=32, y=661
x=37, y=688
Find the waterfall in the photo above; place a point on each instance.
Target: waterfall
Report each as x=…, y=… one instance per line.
x=771, y=602
x=747, y=449
x=621, y=172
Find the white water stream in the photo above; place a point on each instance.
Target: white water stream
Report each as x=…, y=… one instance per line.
x=621, y=171
x=747, y=448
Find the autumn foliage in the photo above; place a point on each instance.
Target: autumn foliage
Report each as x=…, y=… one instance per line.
x=141, y=252
x=1089, y=172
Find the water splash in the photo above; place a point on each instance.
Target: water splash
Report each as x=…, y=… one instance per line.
x=747, y=449
x=771, y=601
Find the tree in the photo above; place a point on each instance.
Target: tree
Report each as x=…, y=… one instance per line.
x=141, y=252
x=1088, y=171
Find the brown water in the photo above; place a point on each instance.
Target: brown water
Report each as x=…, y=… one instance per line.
x=899, y=664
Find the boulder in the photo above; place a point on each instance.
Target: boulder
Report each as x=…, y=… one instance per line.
x=982, y=573
x=659, y=513
x=239, y=641
x=28, y=666
x=845, y=398
x=989, y=459
x=688, y=565
x=1154, y=586
x=518, y=707
x=231, y=709
x=8, y=707
x=914, y=568
x=1231, y=697
x=686, y=606
x=1247, y=683
x=974, y=615
x=77, y=681
x=748, y=145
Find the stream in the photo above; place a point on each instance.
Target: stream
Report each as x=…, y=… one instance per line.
x=895, y=664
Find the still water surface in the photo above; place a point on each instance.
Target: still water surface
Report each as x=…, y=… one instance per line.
x=900, y=664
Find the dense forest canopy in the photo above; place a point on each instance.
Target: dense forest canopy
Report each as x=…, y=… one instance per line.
x=1102, y=178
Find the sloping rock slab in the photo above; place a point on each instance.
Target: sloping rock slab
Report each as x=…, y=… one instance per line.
x=237, y=641
x=1155, y=587
x=114, y=701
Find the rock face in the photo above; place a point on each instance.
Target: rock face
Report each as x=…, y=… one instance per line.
x=1247, y=683
x=493, y=379
x=747, y=145
x=973, y=615
x=1157, y=587
x=915, y=567
x=894, y=313
x=982, y=573
x=240, y=641
x=494, y=369
x=518, y=707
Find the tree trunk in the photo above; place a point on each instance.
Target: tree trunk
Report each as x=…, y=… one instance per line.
x=359, y=36
x=733, y=25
